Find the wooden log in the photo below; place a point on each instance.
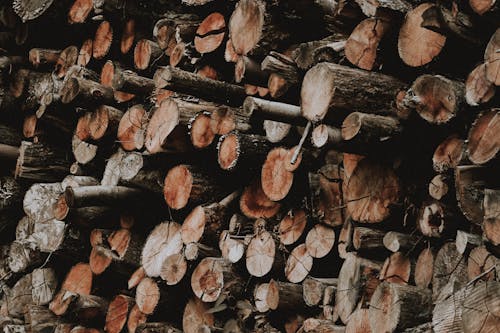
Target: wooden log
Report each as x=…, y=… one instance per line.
x=249, y=71
x=284, y=73
x=457, y=25
x=104, y=122
x=254, y=203
x=435, y=220
x=196, y=318
x=436, y=98
x=237, y=150
x=469, y=184
x=424, y=267
x=368, y=241
x=28, y=10
x=99, y=195
x=369, y=131
x=359, y=321
x=298, y=264
x=261, y=255
x=132, y=127
x=368, y=181
x=67, y=58
x=42, y=163
x=320, y=240
x=284, y=296
x=11, y=194
x=206, y=222
x=146, y=52
x=271, y=110
x=313, y=325
x=190, y=184
x=175, y=27
x=482, y=143
x=277, y=176
x=482, y=264
x=491, y=59
x=401, y=242
x=112, y=75
x=429, y=43
x=214, y=276
x=438, y=187
x=129, y=35
x=403, y=306
x=84, y=92
x=210, y=33
x=163, y=241
x=346, y=88
x=449, y=154
x=480, y=307
x=450, y=271
x=117, y=313
x=135, y=319
x=85, y=54
x=39, y=57
x=398, y=268
x=190, y=83
x=466, y=241
x=361, y=46
x=103, y=39
x=358, y=279
x=478, y=89
x=314, y=290
x=491, y=222
x=153, y=327
x=292, y=226
x=446, y=315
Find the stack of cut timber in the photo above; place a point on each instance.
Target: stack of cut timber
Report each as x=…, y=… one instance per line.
x=255, y=166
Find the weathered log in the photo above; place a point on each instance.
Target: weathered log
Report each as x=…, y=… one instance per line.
x=146, y=52
x=450, y=272
x=313, y=325
x=298, y=264
x=157, y=328
x=439, y=186
x=162, y=242
x=482, y=264
x=357, y=281
x=401, y=242
x=284, y=73
x=436, y=219
x=86, y=92
x=436, y=98
x=314, y=290
x=483, y=143
x=292, y=226
x=466, y=241
x=104, y=122
x=394, y=307
x=196, y=317
x=38, y=162
x=470, y=182
x=214, y=276
x=284, y=296
x=261, y=255
x=478, y=89
x=371, y=185
x=236, y=150
x=366, y=240
x=190, y=83
x=11, y=194
x=99, y=195
x=333, y=87
x=491, y=221
x=112, y=75
x=449, y=154
x=398, y=268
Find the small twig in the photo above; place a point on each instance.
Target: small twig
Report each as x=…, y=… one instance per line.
x=301, y=143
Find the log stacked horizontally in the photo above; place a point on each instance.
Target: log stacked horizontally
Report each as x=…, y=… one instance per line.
x=249, y=166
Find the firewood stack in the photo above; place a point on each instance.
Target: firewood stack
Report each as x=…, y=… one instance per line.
x=249, y=166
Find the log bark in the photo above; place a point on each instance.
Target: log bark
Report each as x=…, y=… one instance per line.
x=478, y=89
x=86, y=92
x=99, y=195
x=314, y=290
x=208, y=89
x=146, y=53
x=38, y=162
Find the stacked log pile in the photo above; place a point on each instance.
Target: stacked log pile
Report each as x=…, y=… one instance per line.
x=249, y=166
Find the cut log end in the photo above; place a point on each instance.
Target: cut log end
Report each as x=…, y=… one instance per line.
x=245, y=25
x=448, y=154
x=147, y=295
x=483, y=143
x=79, y=11
x=228, y=151
x=260, y=254
x=292, y=227
x=102, y=40
x=177, y=189
x=210, y=33
x=417, y=46
x=174, y=269
x=478, y=89
x=299, y=264
x=275, y=178
x=254, y=203
x=201, y=132
x=117, y=313
x=320, y=240
x=128, y=36
x=131, y=129
x=207, y=280
x=161, y=124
